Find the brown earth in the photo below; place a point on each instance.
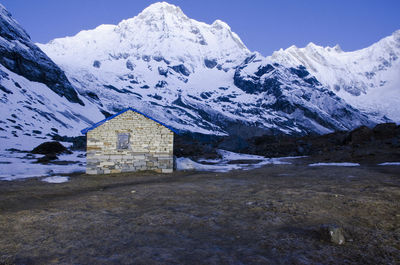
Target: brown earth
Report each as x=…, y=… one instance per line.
x=270, y=215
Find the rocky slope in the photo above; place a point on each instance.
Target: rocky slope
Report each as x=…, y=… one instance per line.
x=19, y=55
x=368, y=79
x=36, y=98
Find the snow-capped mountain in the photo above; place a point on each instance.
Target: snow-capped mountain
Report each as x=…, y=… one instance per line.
x=368, y=79
x=190, y=75
x=36, y=98
x=161, y=32
x=197, y=77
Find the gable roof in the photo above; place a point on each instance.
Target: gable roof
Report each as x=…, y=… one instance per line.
x=97, y=124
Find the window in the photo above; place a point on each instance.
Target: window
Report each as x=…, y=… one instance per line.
x=123, y=141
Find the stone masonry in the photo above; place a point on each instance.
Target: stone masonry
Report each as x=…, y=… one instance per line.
x=150, y=145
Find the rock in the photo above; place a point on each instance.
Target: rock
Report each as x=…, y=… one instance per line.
x=332, y=233
x=130, y=65
x=48, y=148
x=163, y=71
x=210, y=63
x=21, y=56
x=96, y=64
x=47, y=158
x=181, y=69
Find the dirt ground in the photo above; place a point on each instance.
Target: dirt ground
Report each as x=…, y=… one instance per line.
x=269, y=215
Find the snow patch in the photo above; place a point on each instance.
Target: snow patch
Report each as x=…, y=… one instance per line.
x=390, y=164
x=344, y=164
x=183, y=163
x=14, y=166
x=227, y=162
x=56, y=179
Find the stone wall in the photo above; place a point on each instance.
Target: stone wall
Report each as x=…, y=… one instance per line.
x=150, y=146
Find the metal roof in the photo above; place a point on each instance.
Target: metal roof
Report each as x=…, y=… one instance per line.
x=97, y=124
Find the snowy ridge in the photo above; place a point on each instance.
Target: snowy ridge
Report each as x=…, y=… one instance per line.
x=368, y=79
x=32, y=111
x=196, y=77
x=160, y=32
x=36, y=98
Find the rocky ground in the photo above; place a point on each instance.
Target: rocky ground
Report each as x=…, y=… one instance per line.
x=270, y=215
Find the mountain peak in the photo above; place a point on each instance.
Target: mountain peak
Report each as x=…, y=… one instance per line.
x=219, y=24
x=160, y=30
x=337, y=48
x=162, y=9
x=160, y=6
x=312, y=45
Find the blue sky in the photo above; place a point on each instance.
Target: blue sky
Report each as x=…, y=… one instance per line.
x=263, y=25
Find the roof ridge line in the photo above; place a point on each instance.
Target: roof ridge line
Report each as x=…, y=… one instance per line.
x=97, y=124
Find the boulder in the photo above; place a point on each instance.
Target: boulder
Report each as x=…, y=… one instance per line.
x=47, y=148
x=332, y=233
x=47, y=158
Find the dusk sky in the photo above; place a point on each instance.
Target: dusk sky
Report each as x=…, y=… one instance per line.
x=262, y=25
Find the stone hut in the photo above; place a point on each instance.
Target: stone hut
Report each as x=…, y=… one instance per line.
x=129, y=141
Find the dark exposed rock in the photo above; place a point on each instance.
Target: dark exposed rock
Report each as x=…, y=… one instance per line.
x=122, y=91
x=312, y=81
x=155, y=96
x=161, y=58
x=113, y=88
x=92, y=95
x=47, y=158
x=181, y=69
x=24, y=58
x=130, y=65
x=210, y=63
x=96, y=64
x=247, y=85
x=3, y=75
x=299, y=71
x=272, y=86
x=50, y=148
x=264, y=70
x=146, y=58
x=105, y=113
x=158, y=58
x=205, y=95
x=223, y=99
x=161, y=84
x=5, y=90
x=162, y=71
